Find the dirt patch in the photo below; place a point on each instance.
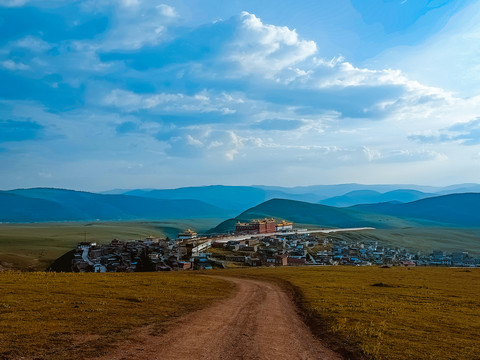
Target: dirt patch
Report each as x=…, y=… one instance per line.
x=259, y=321
x=318, y=325
x=83, y=339
x=381, y=284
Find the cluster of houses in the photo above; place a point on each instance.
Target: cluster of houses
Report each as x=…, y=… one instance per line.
x=311, y=249
x=150, y=254
x=250, y=246
x=370, y=253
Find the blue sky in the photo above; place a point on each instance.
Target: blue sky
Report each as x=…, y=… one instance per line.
x=151, y=94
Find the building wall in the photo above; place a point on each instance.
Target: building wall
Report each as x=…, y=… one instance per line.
x=257, y=227
x=267, y=226
x=250, y=228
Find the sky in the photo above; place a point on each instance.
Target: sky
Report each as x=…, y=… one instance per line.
x=104, y=94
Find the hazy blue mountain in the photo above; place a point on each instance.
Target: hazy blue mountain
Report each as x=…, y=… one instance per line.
x=371, y=197
x=237, y=198
x=460, y=188
x=327, y=191
x=352, y=198
x=227, y=197
x=117, y=191
x=449, y=210
x=404, y=195
x=17, y=208
x=243, y=197
x=46, y=204
x=313, y=214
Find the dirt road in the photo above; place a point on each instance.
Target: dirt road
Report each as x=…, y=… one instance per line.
x=258, y=321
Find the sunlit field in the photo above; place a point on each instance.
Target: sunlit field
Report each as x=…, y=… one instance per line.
x=73, y=316
x=391, y=313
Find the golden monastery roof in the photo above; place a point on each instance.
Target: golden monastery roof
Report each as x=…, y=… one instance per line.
x=256, y=221
x=262, y=221
x=188, y=232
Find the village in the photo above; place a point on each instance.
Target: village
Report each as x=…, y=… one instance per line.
x=260, y=242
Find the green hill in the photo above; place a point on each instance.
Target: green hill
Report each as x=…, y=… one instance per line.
x=457, y=210
x=313, y=214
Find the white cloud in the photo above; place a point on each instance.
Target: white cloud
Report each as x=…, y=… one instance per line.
x=205, y=142
x=267, y=49
x=202, y=102
x=167, y=10
x=139, y=24
x=131, y=101
x=33, y=43
x=12, y=65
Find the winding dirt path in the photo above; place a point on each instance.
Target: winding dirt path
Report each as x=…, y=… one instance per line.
x=259, y=321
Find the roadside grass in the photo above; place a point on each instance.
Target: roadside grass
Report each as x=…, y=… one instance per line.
x=35, y=246
x=80, y=315
x=390, y=313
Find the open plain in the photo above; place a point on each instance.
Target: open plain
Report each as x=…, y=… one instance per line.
x=358, y=312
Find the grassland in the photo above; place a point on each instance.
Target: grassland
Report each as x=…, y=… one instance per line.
x=73, y=316
x=35, y=246
x=425, y=239
x=390, y=313
x=384, y=313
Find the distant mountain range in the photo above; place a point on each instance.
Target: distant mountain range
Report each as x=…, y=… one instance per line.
x=372, y=197
x=381, y=206
x=45, y=204
x=236, y=198
x=240, y=198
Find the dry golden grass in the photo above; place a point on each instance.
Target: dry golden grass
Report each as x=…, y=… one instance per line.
x=394, y=313
x=74, y=316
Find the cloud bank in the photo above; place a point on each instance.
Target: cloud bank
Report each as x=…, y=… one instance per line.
x=127, y=90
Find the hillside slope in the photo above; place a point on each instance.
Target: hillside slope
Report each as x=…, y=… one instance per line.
x=455, y=210
x=313, y=214
x=450, y=210
x=371, y=197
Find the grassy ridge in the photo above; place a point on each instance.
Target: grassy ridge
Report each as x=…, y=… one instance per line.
x=395, y=313
x=74, y=316
x=35, y=246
